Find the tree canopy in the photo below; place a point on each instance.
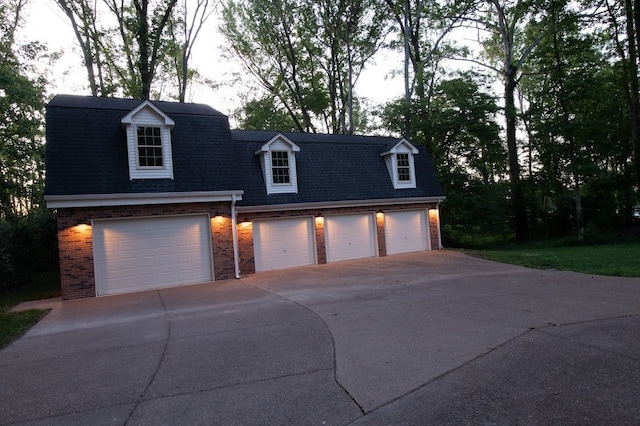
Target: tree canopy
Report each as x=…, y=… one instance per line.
x=529, y=108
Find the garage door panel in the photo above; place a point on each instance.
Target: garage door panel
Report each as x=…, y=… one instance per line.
x=350, y=237
x=405, y=231
x=140, y=254
x=283, y=243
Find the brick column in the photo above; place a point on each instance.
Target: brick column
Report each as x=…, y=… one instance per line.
x=245, y=248
x=321, y=249
x=382, y=242
x=434, y=227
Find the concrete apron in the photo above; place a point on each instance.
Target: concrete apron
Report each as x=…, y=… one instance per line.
x=429, y=337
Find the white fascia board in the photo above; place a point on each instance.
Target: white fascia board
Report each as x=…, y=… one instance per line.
x=138, y=199
x=128, y=119
x=279, y=137
x=338, y=204
x=404, y=142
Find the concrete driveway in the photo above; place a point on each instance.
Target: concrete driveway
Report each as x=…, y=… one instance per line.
x=423, y=338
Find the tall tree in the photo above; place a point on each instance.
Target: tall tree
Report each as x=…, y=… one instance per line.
x=129, y=46
x=624, y=33
x=184, y=30
x=142, y=29
x=553, y=84
x=307, y=56
x=83, y=18
x=423, y=28
x=21, y=117
x=507, y=51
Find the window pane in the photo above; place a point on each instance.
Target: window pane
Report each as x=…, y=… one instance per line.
x=404, y=172
x=280, y=166
x=149, y=147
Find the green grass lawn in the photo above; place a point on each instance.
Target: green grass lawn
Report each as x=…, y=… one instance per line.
x=15, y=324
x=622, y=260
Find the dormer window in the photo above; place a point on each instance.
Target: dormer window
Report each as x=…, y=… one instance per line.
x=148, y=132
x=278, y=161
x=400, y=164
x=404, y=168
x=149, y=147
x=280, y=168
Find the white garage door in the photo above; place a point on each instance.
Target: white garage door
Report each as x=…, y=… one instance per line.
x=350, y=237
x=149, y=253
x=405, y=231
x=283, y=243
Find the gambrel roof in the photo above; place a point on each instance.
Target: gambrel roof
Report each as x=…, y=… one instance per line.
x=86, y=151
x=331, y=168
x=87, y=154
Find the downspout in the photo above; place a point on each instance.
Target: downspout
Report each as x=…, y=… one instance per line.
x=439, y=227
x=234, y=230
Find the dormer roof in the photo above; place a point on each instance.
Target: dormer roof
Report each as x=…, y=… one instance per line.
x=278, y=139
x=396, y=146
x=149, y=107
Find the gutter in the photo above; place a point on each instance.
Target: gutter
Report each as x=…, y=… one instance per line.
x=139, y=198
x=234, y=230
x=338, y=204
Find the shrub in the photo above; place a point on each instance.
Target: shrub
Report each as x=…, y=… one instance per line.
x=28, y=245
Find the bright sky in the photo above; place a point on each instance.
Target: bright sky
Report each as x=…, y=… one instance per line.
x=45, y=22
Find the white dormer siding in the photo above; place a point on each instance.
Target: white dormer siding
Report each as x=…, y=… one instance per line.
x=278, y=162
x=150, y=156
x=400, y=164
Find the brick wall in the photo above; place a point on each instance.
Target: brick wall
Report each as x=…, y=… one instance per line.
x=75, y=240
x=76, y=244
x=434, y=227
x=382, y=242
x=245, y=228
x=245, y=247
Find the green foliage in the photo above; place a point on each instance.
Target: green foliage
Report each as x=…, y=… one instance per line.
x=469, y=156
x=15, y=324
x=475, y=214
x=613, y=259
x=577, y=131
x=138, y=48
x=28, y=246
x=264, y=114
x=21, y=119
x=307, y=56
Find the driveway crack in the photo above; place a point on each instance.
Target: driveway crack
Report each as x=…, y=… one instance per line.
x=584, y=344
x=160, y=361
x=333, y=343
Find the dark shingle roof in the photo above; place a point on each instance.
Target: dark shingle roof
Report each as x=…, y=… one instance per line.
x=86, y=153
x=86, y=150
x=331, y=168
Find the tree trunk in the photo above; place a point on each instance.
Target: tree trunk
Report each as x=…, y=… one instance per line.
x=407, y=89
x=517, y=193
x=633, y=40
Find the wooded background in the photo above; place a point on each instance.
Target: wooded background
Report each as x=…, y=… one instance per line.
x=535, y=137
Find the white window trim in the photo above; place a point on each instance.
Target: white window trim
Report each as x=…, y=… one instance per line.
x=164, y=156
x=279, y=143
x=270, y=160
x=148, y=115
x=391, y=160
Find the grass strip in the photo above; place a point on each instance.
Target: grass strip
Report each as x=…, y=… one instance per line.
x=622, y=260
x=41, y=285
x=15, y=324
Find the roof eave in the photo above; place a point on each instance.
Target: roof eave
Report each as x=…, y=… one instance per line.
x=338, y=204
x=136, y=199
